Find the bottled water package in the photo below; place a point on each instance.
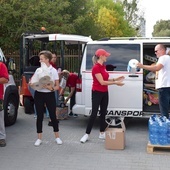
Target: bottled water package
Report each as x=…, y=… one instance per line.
x=159, y=130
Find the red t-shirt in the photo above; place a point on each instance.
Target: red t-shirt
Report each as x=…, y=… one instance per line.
x=54, y=65
x=72, y=80
x=98, y=68
x=3, y=73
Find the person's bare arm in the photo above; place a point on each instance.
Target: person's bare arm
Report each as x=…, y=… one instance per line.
x=3, y=80
x=153, y=68
x=70, y=94
x=103, y=82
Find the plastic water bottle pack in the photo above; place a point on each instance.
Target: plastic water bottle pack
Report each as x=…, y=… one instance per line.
x=159, y=130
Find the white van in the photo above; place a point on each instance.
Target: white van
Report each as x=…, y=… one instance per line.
x=138, y=97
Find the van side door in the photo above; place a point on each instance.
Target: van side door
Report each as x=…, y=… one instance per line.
x=126, y=100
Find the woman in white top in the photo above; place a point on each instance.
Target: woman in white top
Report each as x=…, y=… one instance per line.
x=46, y=96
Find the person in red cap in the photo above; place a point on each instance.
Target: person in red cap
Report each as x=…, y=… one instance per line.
x=100, y=92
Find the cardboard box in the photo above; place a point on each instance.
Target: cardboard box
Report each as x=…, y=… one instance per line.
x=115, y=138
x=62, y=113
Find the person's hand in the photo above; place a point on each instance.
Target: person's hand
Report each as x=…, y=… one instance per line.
x=65, y=101
x=119, y=83
x=48, y=86
x=121, y=78
x=139, y=65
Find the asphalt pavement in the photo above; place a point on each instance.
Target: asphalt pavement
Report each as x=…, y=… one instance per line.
x=21, y=154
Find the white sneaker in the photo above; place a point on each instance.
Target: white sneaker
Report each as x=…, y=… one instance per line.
x=38, y=142
x=102, y=135
x=59, y=141
x=84, y=138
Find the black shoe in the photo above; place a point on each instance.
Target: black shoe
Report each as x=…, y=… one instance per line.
x=2, y=143
x=50, y=123
x=75, y=115
x=70, y=114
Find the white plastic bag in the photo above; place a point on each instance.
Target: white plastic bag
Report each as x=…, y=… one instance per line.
x=41, y=77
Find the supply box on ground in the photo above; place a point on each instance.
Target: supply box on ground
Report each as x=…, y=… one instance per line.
x=115, y=138
x=62, y=113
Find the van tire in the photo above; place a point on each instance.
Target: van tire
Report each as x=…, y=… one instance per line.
x=10, y=110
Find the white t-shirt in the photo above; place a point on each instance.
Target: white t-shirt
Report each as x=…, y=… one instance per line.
x=163, y=75
x=54, y=76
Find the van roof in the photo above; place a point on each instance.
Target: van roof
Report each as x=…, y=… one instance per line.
x=68, y=38
x=133, y=40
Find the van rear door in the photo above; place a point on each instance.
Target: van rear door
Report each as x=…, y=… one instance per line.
x=126, y=100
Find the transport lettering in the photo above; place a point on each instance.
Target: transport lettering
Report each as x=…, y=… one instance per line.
x=127, y=113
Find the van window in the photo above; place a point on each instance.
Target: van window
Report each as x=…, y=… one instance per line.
x=120, y=54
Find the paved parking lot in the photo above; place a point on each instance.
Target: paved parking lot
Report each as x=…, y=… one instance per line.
x=21, y=154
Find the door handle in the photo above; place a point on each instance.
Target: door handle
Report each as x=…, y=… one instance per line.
x=134, y=75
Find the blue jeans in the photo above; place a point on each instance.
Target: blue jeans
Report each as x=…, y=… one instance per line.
x=164, y=101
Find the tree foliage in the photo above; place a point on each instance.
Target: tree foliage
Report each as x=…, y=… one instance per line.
x=133, y=15
x=18, y=16
x=111, y=21
x=162, y=29
x=131, y=11
x=97, y=18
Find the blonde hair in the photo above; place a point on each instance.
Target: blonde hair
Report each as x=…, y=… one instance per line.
x=47, y=54
x=94, y=59
x=65, y=73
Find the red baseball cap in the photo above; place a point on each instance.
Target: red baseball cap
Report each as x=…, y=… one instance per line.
x=102, y=52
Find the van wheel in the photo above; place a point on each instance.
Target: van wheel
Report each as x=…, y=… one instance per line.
x=27, y=105
x=113, y=121
x=10, y=110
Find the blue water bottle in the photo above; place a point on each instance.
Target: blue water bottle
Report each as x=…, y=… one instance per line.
x=163, y=128
x=168, y=131
x=153, y=130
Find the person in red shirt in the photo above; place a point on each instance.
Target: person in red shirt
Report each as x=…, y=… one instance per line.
x=71, y=84
x=54, y=60
x=4, y=77
x=100, y=92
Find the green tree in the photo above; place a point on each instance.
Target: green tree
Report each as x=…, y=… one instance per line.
x=85, y=17
x=162, y=29
x=81, y=13
x=133, y=15
x=18, y=16
x=131, y=11
x=110, y=19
